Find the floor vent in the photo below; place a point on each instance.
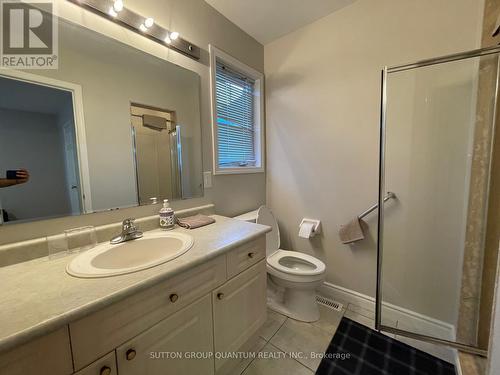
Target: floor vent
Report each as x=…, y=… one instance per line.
x=329, y=303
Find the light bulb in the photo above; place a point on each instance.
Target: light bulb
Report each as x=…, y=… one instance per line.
x=167, y=39
x=143, y=28
x=174, y=35
x=118, y=5
x=112, y=12
x=149, y=22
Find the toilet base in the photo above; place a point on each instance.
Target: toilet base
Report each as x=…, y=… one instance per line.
x=298, y=304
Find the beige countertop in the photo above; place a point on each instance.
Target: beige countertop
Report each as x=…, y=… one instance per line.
x=38, y=297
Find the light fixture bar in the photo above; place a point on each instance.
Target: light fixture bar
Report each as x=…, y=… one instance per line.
x=138, y=23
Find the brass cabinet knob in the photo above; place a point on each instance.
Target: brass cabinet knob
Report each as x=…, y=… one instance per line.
x=251, y=255
x=220, y=295
x=130, y=354
x=105, y=370
x=173, y=297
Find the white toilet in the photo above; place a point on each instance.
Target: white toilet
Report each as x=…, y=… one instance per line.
x=292, y=276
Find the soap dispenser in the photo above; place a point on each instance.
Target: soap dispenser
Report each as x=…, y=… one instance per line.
x=167, y=216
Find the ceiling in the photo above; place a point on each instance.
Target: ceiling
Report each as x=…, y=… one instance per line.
x=267, y=20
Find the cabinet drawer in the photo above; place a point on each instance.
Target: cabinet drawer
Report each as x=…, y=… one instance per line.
x=245, y=256
x=101, y=332
x=165, y=348
x=239, y=310
x=103, y=366
x=50, y=354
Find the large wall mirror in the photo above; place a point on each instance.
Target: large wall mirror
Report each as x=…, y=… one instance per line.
x=112, y=127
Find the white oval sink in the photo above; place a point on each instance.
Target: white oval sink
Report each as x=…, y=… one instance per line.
x=110, y=260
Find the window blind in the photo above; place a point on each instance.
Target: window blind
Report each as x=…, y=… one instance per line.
x=235, y=117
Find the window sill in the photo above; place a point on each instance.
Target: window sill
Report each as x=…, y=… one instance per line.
x=238, y=170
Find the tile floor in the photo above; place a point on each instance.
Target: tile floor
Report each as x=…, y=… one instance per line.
x=286, y=344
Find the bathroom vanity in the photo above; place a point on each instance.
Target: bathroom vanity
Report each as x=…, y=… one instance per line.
x=182, y=316
x=141, y=145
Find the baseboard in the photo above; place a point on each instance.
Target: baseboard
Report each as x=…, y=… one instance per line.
x=458, y=364
x=404, y=317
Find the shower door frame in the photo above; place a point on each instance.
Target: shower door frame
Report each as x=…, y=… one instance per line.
x=383, y=113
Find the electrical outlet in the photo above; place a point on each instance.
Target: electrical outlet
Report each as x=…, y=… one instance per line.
x=207, y=179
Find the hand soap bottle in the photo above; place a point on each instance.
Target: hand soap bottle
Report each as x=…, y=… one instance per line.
x=167, y=216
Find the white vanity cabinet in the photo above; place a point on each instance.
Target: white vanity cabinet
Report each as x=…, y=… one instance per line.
x=178, y=326
x=164, y=348
x=186, y=342
x=107, y=329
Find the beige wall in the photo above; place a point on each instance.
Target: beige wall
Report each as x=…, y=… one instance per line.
x=23, y=137
x=323, y=103
x=200, y=24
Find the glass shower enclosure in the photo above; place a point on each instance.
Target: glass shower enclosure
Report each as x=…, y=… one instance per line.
x=436, y=142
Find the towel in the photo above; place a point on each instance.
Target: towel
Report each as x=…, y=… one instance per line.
x=351, y=232
x=154, y=122
x=196, y=221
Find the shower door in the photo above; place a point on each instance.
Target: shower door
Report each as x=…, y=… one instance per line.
x=437, y=126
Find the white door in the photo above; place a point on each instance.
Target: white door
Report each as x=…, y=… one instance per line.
x=71, y=165
x=165, y=348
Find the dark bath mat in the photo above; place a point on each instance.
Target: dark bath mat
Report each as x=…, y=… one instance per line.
x=359, y=350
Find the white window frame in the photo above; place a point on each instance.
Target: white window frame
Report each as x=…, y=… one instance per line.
x=258, y=77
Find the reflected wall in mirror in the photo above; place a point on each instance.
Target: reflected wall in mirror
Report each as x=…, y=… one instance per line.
x=70, y=128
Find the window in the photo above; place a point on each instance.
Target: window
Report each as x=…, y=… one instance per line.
x=236, y=115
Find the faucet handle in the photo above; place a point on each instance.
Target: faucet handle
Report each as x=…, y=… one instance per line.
x=128, y=224
x=129, y=232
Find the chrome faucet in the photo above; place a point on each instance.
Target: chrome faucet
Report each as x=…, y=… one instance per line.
x=129, y=232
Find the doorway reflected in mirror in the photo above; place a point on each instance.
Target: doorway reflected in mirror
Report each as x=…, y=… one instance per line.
x=157, y=152
x=37, y=135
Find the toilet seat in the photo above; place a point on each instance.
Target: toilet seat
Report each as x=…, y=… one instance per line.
x=292, y=276
x=284, y=263
x=295, y=263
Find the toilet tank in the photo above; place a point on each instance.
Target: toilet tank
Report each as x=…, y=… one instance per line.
x=251, y=216
x=273, y=237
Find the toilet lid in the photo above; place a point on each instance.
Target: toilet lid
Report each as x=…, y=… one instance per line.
x=266, y=217
x=295, y=263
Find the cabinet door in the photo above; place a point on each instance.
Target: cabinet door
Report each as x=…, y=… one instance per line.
x=239, y=310
x=169, y=347
x=50, y=354
x=103, y=366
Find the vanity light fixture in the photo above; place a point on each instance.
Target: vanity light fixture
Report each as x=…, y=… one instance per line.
x=174, y=35
x=112, y=12
x=115, y=8
x=118, y=6
x=149, y=22
x=146, y=26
